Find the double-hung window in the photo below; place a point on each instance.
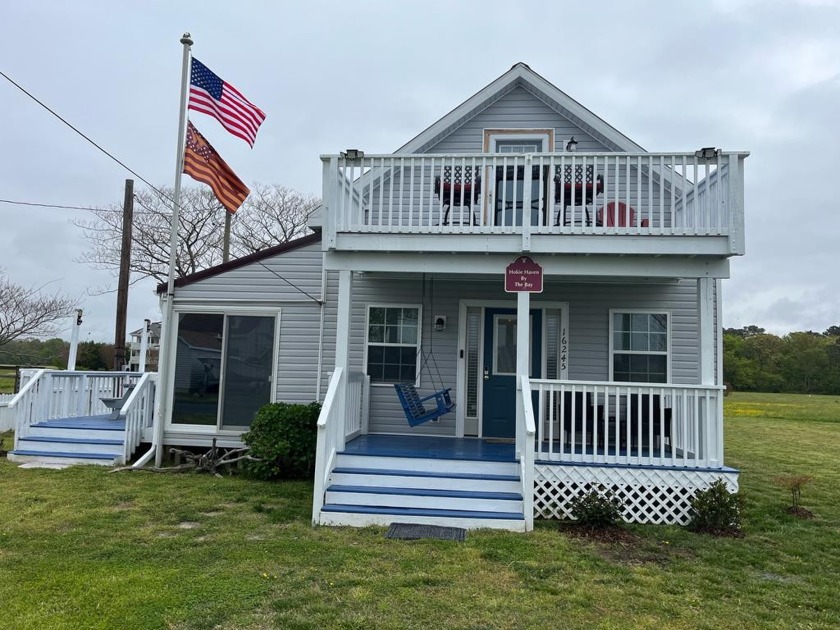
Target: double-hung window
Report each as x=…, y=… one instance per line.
x=639, y=346
x=393, y=339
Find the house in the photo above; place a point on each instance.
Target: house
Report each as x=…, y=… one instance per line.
x=560, y=281
x=135, y=347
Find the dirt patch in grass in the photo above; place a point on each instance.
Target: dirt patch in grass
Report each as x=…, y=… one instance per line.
x=800, y=512
x=605, y=535
x=188, y=525
x=622, y=546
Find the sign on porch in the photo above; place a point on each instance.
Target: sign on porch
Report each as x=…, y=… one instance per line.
x=523, y=275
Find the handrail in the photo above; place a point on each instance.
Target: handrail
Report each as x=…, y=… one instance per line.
x=528, y=456
x=328, y=443
x=138, y=410
x=14, y=401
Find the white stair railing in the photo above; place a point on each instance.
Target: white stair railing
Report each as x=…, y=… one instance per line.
x=526, y=458
x=331, y=426
x=139, y=412
x=25, y=404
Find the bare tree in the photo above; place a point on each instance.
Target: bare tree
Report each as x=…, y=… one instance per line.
x=200, y=239
x=270, y=215
x=29, y=310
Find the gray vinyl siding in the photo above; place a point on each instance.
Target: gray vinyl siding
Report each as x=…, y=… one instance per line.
x=258, y=285
x=518, y=109
x=259, y=281
x=407, y=194
x=589, y=307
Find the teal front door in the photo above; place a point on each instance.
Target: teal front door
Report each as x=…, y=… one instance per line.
x=499, y=391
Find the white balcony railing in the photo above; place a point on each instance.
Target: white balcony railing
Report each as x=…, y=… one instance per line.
x=575, y=193
x=629, y=423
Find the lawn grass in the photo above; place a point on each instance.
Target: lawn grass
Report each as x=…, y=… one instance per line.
x=7, y=381
x=82, y=548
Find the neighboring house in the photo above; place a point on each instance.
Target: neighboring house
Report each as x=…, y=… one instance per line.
x=608, y=378
x=152, y=348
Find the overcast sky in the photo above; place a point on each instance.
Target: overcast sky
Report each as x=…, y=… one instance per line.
x=753, y=75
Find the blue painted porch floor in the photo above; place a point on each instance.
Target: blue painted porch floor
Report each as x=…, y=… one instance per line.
x=431, y=447
x=477, y=449
x=97, y=423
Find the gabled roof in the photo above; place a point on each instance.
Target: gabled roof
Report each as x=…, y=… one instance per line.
x=245, y=260
x=521, y=75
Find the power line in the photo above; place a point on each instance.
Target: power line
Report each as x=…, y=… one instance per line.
x=59, y=206
x=160, y=193
x=62, y=119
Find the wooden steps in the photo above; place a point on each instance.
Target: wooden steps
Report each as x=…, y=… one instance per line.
x=374, y=489
x=84, y=440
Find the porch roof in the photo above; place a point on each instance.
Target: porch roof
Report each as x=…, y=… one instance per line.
x=276, y=250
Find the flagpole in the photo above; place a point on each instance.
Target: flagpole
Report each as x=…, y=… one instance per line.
x=167, y=351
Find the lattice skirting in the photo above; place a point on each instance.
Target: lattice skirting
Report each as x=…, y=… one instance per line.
x=649, y=495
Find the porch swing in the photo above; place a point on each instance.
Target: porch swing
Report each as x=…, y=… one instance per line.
x=416, y=412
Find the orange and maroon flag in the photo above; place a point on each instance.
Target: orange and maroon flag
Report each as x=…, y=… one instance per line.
x=204, y=164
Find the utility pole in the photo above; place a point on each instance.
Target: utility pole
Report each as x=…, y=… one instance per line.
x=122, y=286
x=226, y=239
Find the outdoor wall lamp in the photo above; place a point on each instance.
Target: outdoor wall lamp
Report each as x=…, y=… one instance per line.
x=571, y=145
x=440, y=322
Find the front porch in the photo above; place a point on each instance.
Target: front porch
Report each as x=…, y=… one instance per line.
x=653, y=446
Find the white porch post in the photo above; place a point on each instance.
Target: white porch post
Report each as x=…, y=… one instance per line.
x=342, y=334
x=713, y=420
x=523, y=337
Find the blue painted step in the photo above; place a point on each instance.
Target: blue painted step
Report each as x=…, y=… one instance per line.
x=421, y=473
x=39, y=438
x=398, y=511
x=30, y=453
x=423, y=492
x=73, y=423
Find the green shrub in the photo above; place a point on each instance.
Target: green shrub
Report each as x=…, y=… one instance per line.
x=596, y=510
x=716, y=511
x=283, y=437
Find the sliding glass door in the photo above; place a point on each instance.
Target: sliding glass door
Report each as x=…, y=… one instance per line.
x=224, y=368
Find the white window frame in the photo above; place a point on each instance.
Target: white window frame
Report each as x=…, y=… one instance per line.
x=418, y=346
x=211, y=308
x=491, y=136
x=640, y=311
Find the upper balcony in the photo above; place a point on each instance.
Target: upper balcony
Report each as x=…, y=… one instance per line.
x=571, y=203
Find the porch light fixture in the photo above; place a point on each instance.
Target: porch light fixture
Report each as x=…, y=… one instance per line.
x=440, y=322
x=571, y=145
x=353, y=154
x=707, y=153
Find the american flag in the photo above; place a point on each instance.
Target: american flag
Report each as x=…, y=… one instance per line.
x=210, y=95
x=202, y=163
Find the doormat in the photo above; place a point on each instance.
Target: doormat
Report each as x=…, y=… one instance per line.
x=500, y=440
x=413, y=531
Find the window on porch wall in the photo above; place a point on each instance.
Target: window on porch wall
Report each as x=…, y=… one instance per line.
x=640, y=347
x=393, y=340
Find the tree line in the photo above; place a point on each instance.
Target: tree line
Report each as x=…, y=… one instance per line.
x=53, y=353
x=798, y=363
